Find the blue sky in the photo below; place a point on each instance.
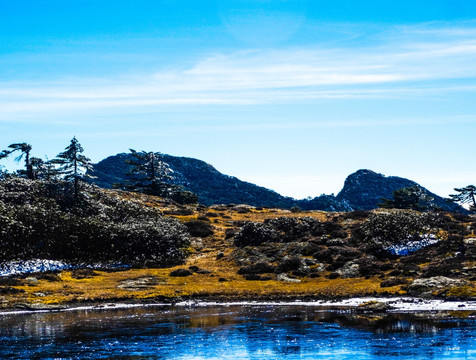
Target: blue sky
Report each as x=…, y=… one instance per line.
x=291, y=95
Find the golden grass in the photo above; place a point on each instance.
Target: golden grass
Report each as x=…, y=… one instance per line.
x=104, y=287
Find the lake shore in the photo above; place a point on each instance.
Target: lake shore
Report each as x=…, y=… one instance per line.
x=394, y=305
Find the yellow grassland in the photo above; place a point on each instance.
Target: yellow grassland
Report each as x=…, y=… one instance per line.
x=104, y=286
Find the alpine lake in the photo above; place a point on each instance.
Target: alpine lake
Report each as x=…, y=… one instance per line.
x=245, y=331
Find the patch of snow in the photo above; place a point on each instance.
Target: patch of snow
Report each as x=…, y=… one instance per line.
x=41, y=265
x=399, y=304
x=31, y=266
x=412, y=246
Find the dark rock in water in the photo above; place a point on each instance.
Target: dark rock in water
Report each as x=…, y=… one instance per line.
x=181, y=273
x=259, y=268
x=373, y=306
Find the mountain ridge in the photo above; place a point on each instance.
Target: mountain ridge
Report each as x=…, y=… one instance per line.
x=362, y=190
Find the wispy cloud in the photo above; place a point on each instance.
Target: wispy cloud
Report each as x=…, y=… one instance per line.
x=420, y=61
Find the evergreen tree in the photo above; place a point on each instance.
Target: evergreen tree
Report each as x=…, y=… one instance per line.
x=148, y=173
x=413, y=197
x=44, y=170
x=466, y=195
x=73, y=165
x=24, y=150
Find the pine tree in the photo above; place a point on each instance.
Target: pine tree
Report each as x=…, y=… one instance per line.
x=24, y=150
x=466, y=195
x=73, y=165
x=148, y=173
x=413, y=197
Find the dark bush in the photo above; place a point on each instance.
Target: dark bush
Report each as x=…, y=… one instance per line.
x=199, y=228
x=6, y=290
x=43, y=220
x=5, y=281
x=181, y=273
x=184, y=197
x=229, y=233
x=393, y=282
x=259, y=268
x=292, y=229
x=395, y=228
x=83, y=273
x=339, y=234
x=462, y=217
x=289, y=264
x=254, y=233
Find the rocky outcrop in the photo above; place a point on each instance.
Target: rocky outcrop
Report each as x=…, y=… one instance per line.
x=425, y=287
x=365, y=189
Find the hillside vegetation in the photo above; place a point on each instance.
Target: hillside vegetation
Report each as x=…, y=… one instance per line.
x=46, y=220
x=246, y=252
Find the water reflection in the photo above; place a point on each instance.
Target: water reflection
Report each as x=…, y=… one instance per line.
x=221, y=332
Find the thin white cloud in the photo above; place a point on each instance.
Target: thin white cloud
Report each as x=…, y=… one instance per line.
x=420, y=61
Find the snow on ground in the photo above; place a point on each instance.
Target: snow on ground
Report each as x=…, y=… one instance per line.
x=412, y=246
x=31, y=266
x=42, y=265
x=399, y=304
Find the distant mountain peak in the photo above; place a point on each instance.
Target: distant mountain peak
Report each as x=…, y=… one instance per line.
x=363, y=189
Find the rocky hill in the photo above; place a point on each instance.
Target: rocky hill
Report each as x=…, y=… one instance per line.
x=363, y=189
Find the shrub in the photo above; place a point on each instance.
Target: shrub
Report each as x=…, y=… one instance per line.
x=255, y=233
x=41, y=220
x=199, y=228
x=395, y=228
x=185, y=197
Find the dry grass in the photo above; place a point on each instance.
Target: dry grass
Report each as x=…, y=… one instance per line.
x=104, y=287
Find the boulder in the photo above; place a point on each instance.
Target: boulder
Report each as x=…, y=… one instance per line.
x=424, y=287
x=285, y=278
x=373, y=306
x=138, y=284
x=292, y=263
x=349, y=270
x=181, y=273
